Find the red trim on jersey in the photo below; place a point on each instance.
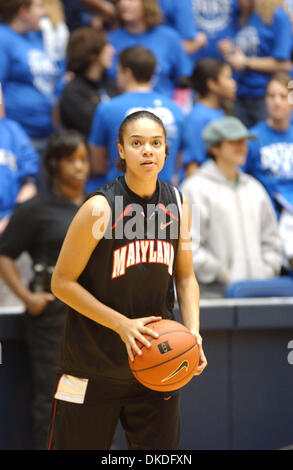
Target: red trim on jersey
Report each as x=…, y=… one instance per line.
x=124, y=213
x=161, y=206
x=52, y=424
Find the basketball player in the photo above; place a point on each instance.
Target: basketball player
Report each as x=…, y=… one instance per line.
x=116, y=280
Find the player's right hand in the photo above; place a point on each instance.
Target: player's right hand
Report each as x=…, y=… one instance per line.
x=131, y=330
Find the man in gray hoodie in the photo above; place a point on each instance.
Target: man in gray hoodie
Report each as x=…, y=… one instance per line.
x=235, y=237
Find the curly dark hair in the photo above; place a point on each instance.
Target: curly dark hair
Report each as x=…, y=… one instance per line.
x=60, y=145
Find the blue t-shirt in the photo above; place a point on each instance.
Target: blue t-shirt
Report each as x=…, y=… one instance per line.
x=165, y=44
x=18, y=160
x=256, y=39
x=109, y=115
x=194, y=146
x=270, y=160
x=28, y=78
x=179, y=15
x=218, y=20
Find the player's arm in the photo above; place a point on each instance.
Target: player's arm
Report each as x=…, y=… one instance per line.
x=186, y=283
x=85, y=232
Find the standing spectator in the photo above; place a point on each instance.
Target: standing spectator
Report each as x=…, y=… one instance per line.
x=27, y=73
x=38, y=227
x=19, y=167
x=262, y=47
x=213, y=83
x=88, y=56
x=217, y=19
x=238, y=236
x=179, y=15
x=135, y=70
x=270, y=157
x=141, y=25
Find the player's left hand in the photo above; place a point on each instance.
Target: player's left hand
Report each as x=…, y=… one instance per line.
x=202, y=359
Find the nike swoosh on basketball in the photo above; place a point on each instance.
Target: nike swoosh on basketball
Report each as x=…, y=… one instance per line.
x=166, y=225
x=179, y=368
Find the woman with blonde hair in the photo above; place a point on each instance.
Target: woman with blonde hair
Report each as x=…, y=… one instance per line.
x=262, y=47
x=140, y=24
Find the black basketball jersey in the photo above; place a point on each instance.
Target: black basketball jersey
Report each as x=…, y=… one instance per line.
x=131, y=270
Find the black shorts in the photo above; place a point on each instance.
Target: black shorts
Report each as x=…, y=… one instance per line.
x=151, y=420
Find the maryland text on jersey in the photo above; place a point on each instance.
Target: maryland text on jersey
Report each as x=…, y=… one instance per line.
x=131, y=222
x=142, y=251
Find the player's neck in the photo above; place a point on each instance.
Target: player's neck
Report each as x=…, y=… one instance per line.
x=279, y=124
x=143, y=188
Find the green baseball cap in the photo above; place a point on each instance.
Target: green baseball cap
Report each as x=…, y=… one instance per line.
x=227, y=128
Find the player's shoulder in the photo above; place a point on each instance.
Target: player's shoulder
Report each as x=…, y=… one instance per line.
x=105, y=195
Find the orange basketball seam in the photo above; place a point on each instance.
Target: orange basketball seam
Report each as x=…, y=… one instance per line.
x=166, y=333
x=168, y=385
x=165, y=362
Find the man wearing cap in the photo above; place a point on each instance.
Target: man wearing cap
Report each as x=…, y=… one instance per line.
x=235, y=237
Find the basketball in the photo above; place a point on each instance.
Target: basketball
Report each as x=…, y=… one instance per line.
x=172, y=359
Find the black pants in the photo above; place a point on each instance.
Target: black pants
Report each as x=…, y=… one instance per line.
x=151, y=420
x=43, y=336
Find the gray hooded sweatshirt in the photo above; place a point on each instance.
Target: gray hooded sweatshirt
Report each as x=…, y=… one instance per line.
x=234, y=228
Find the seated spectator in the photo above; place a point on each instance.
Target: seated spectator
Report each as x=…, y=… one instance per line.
x=270, y=157
x=38, y=227
x=235, y=232
x=88, y=56
x=262, y=47
x=27, y=73
x=135, y=71
x=141, y=25
x=179, y=15
x=218, y=20
x=214, y=86
x=55, y=31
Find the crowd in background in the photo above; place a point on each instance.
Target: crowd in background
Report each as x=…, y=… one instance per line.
x=217, y=72
x=86, y=64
